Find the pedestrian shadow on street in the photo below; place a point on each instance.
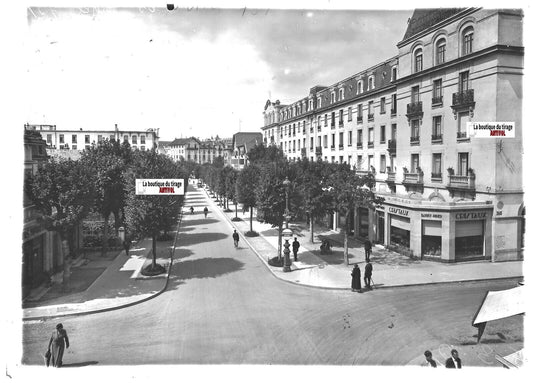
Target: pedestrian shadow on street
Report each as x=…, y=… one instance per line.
x=204, y=268
x=80, y=364
x=196, y=238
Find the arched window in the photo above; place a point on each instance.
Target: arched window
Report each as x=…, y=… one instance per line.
x=360, y=86
x=440, y=51
x=418, y=60
x=467, y=40
x=341, y=94
x=333, y=97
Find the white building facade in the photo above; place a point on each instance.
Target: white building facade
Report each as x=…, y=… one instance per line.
x=449, y=196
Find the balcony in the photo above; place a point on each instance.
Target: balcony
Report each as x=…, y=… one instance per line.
x=370, y=144
x=318, y=150
x=359, y=145
x=436, y=101
x=333, y=124
x=311, y=149
x=462, y=136
x=414, y=109
x=415, y=140
x=462, y=182
x=363, y=173
x=359, y=119
x=303, y=152
x=436, y=177
x=319, y=128
x=413, y=178
x=391, y=176
x=341, y=124
x=391, y=147
x=393, y=112
x=370, y=117
x=332, y=147
x=341, y=147
x=311, y=130
x=463, y=99
x=435, y=138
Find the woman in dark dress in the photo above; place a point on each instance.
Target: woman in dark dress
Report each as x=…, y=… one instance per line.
x=58, y=340
x=356, y=278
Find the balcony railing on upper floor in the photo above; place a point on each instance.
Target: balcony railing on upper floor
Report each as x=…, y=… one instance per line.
x=359, y=119
x=436, y=100
x=462, y=182
x=414, y=109
x=463, y=99
x=413, y=178
x=391, y=147
x=318, y=150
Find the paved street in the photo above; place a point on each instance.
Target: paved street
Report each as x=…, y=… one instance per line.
x=223, y=306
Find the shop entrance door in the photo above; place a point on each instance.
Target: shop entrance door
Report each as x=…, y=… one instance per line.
x=381, y=229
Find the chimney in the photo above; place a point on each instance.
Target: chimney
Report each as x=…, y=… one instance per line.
x=116, y=127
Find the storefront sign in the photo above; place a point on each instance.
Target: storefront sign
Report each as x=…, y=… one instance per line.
x=159, y=186
x=470, y=215
x=396, y=210
x=431, y=215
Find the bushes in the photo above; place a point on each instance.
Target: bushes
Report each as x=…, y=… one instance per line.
x=97, y=241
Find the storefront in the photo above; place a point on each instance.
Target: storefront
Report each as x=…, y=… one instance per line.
x=469, y=235
x=431, y=238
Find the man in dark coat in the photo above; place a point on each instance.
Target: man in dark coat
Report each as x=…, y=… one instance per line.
x=368, y=250
x=368, y=274
x=356, y=278
x=235, y=238
x=454, y=361
x=295, y=247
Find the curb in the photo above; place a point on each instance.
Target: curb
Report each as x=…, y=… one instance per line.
x=46, y=317
x=349, y=288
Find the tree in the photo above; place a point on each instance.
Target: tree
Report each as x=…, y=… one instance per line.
x=108, y=161
x=231, y=186
x=63, y=192
x=310, y=178
x=261, y=153
x=148, y=215
x=246, y=183
x=347, y=191
x=271, y=196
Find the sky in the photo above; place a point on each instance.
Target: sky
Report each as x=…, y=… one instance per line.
x=191, y=72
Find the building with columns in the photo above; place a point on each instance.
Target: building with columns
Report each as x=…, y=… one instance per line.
x=450, y=195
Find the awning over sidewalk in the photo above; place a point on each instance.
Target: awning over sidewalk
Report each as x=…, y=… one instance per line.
x=498, y=305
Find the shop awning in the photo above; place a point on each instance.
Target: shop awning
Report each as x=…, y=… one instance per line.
x=514, y=360
x=498, y=305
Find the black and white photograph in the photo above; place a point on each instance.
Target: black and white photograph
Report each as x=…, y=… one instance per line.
x=318, y=190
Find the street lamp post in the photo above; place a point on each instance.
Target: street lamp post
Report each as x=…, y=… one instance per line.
x=286, y=233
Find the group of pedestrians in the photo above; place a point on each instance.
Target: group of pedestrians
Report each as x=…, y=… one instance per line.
x=206, y=210
x=452, y=362
x=356, y=277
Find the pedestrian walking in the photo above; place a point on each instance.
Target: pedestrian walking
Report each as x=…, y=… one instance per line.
x=235, y=238
x=356, y=278
x=295, y=248
x=368, y=250
x=127, y=245
x=56, y=345
x=429, y=360
x=368, y=274
x=205, y=211
x=454, y=361
x=192, y=210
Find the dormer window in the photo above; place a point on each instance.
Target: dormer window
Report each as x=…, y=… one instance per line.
x=360, y=86
x=311, y=104
x=371, y=84
x=341, y=94
x=394, y=75
x=333, y=100
x=320, y=102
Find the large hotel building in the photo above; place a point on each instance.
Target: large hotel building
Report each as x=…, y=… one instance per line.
x=449, y=196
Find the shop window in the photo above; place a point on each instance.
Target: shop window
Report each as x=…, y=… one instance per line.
x=469, y=239
x=431, y=238
x=400, y=237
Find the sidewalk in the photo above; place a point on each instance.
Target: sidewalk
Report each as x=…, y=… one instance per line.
x=113, y=282
x=390, y=269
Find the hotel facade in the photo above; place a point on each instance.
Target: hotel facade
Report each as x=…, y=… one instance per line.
x=449, y=196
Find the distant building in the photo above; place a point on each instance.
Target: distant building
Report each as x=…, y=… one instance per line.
x=241, y=144
x=70, y=143
x=449, y=196
x=195, y=150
